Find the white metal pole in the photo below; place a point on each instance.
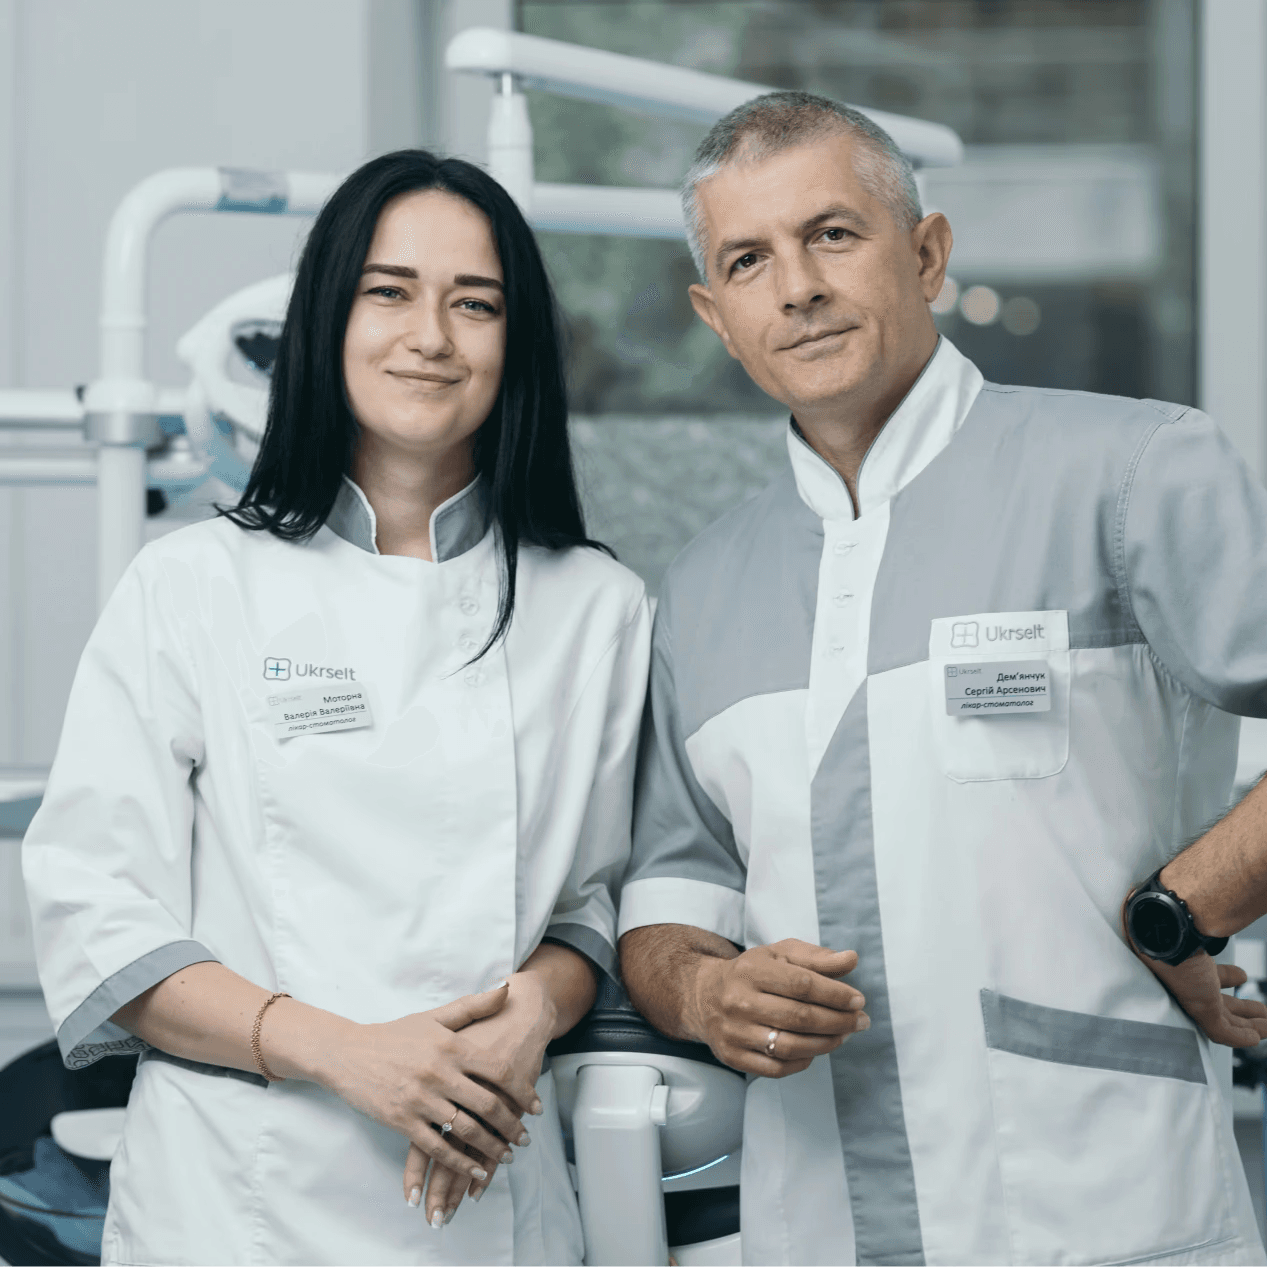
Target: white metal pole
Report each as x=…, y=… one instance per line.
x=634, y=83
x=20, y=467
x=510, y=143
x=617, y=1141
x=121, y=406
x=629, y=213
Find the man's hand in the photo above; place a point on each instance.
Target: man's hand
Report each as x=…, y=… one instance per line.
x=786, y=991
x=1198, y=984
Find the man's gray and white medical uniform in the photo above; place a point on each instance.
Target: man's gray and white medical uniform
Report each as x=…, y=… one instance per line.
x=282, y=757
x=949, y=734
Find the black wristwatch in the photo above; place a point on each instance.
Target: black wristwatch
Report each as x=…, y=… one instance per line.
x=1162, y=927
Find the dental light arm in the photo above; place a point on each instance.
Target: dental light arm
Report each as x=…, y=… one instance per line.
x=633, y=83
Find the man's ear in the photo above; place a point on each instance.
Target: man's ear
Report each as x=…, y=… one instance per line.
x=932, y=241
x=706, y=309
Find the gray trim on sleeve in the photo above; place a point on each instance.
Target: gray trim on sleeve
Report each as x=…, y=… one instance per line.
x=87, y=1033
x=585, y=941
x=865, y=1079
x=1094, y=1042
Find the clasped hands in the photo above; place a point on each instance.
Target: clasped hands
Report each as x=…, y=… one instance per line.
x=471, y=1065
x=772, y=1009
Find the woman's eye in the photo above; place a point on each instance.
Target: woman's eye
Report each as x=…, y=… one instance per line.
x=387, y=292
x=476, y=305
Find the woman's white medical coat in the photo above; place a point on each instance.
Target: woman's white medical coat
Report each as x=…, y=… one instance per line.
x=373, y=871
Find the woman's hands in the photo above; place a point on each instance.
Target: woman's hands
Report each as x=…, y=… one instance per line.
x=419, y=1073
x=516, y=1034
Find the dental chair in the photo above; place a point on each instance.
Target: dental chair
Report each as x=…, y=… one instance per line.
x=35, y=1088
x=654, y=1131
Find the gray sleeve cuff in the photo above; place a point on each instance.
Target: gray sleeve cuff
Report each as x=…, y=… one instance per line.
x=88, y=1033
x=585, y=941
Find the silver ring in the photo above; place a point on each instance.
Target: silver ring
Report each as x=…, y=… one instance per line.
x=770, y=1042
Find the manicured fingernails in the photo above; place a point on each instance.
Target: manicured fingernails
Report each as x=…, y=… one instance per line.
x=507, y=1158
x=478, y=1193
x=414, y=1197
x=448, y=1216
x=536, y=1108
x=437, y=1220
x=524, y=1139
x=501, y=985
x=477, y=1173
x=864, y=1022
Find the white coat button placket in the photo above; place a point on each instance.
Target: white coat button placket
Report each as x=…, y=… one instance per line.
x=467, y=605
x=843, y=547
x=467, y=643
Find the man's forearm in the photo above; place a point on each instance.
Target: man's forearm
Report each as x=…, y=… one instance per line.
x=1223, y=875
x=661, y=965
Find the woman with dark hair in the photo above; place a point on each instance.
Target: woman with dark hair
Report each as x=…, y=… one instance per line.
x=346, y=774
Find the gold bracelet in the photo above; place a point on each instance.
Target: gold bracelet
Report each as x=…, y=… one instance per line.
x=255, y=1038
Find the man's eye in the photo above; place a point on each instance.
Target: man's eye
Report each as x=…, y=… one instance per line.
x=745, y=261
x=835, y=235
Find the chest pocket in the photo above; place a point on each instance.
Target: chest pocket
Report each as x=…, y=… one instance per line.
x=1014, y=723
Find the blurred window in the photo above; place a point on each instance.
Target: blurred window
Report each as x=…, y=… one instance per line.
x=1073, y=212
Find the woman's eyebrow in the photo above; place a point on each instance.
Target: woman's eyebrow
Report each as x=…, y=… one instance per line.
x=462, y=279
x=473, y=279
x=393, y=270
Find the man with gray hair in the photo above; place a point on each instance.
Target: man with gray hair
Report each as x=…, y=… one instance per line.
x=921, y=716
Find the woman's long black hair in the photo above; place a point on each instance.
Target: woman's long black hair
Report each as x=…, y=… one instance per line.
x=521, y=451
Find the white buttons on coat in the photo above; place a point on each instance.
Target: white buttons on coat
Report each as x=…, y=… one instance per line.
x=468, y=606
x=843, y=547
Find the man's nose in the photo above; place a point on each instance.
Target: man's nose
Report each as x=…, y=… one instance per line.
x=802, y=285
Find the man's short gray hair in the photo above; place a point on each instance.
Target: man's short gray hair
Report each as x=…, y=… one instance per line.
x=780, y=121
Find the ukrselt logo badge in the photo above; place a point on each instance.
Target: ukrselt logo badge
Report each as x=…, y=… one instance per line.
x=276, y=670
x=964, y=633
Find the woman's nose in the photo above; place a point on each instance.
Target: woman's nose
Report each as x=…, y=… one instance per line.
x=429, y=334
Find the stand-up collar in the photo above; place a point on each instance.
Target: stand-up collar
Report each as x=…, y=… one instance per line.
x=457, y=525
x=916, y=432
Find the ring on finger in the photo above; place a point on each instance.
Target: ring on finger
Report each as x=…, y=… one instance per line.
x=771, y=1039
x=446, y=1127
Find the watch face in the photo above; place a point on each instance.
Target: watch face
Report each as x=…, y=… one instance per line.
x=1156, y=925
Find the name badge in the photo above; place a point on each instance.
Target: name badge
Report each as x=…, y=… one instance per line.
x=1014, y=687
x=317, y=710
